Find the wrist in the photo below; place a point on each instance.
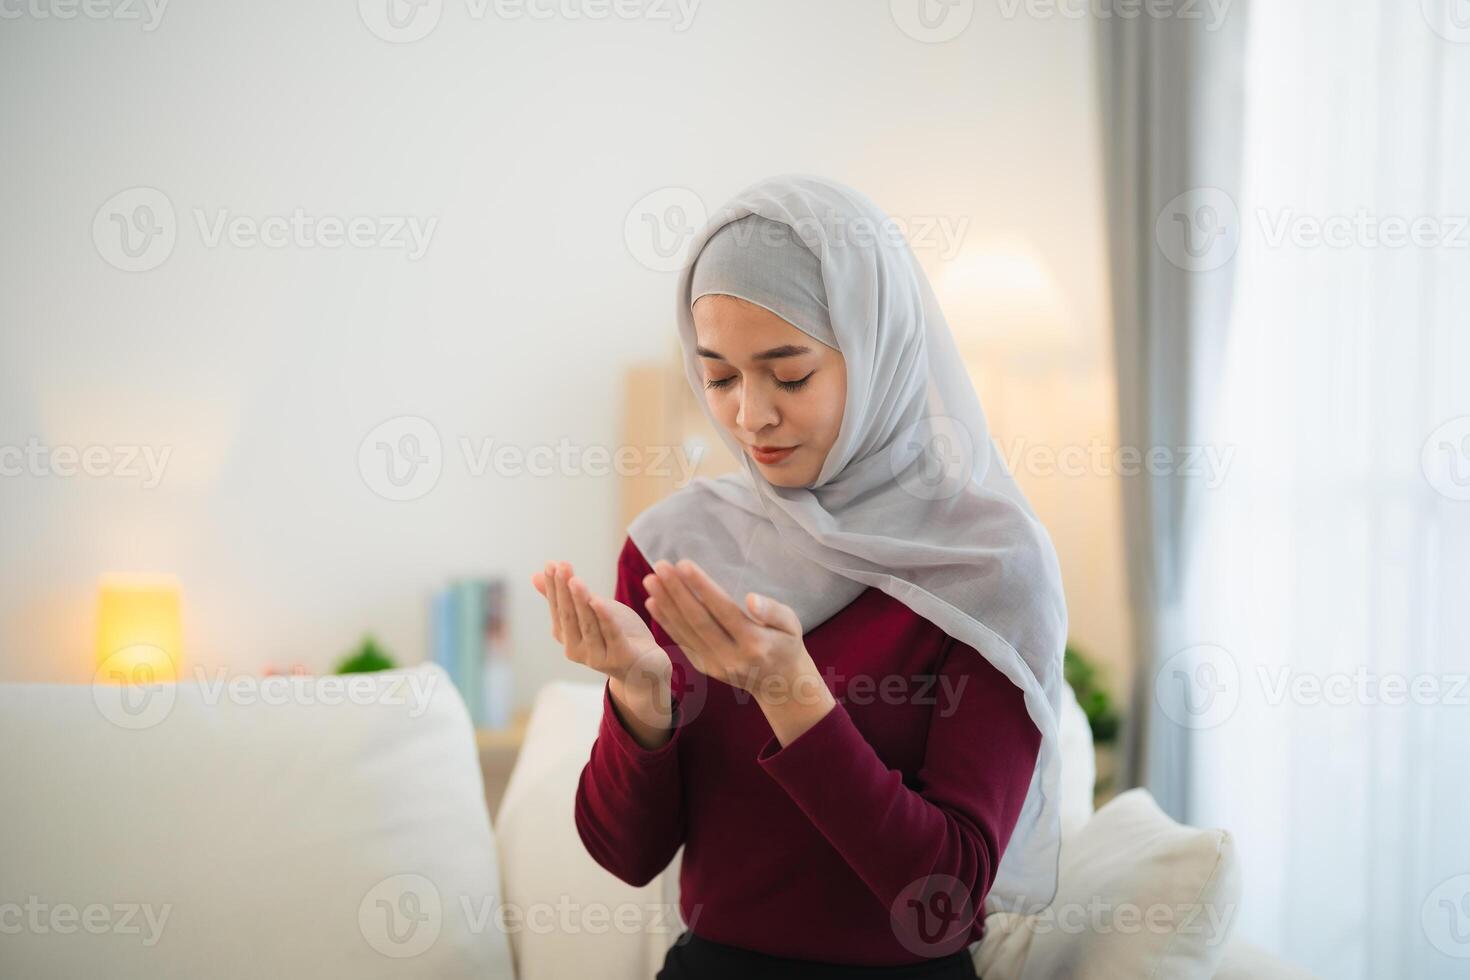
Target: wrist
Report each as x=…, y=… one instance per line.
x=645, y=707
x=649, y=674
x=797, y=702
x=799, y=682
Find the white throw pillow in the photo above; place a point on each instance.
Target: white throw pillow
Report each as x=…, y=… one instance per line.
x=1079, y=763
x=1140, y=896
x=599, y=926
x=324, y=827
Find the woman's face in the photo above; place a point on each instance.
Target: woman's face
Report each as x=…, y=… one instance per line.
x=770, y=385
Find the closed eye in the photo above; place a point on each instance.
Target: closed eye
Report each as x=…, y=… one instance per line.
x=796, y=385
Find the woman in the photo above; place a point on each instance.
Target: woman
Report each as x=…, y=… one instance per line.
x=832, y=677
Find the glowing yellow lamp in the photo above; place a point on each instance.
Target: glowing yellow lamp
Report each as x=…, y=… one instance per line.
x=138, y=629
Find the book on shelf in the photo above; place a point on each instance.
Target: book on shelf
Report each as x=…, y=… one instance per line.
x=470, y=641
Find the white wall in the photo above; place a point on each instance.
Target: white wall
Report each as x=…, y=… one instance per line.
x=528, y=140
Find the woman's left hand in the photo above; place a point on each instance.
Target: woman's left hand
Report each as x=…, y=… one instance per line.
x=755, y=648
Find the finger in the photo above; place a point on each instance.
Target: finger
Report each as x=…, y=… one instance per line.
x=565, y=606
x=658, y=608
x=664, y=610
x=551, y=603
x=538, y=580
x=586, y=621
x=551, y=586
x=776, y=615
x=720, y=606
x=692, y=607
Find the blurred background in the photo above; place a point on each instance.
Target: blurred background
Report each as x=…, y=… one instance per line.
x=325, y=320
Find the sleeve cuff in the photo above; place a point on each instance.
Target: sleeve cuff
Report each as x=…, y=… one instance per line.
x=613, y=730
x=813, y=750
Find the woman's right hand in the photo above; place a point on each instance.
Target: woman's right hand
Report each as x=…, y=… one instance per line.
x=613, y=640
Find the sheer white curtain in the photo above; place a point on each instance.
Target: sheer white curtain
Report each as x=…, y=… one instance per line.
x=1330, y=591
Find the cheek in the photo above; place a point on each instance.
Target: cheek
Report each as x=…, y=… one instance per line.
x=827, y=408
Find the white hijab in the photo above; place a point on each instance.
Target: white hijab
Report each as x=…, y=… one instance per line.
x=912, y=499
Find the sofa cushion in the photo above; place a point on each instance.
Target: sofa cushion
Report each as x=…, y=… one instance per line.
x=614, y=930
x=317, y=827
x=1140, y=896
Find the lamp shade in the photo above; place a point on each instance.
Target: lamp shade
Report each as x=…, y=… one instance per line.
x=139, y=633
x=1004, y=301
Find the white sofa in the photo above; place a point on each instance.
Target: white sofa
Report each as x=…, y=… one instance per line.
x=1129, y=855
x=330, y=827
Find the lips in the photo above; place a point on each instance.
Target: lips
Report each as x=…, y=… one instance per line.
x=771, y=455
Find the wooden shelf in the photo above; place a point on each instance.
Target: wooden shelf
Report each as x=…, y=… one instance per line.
x=498, y=749
x=508, y=737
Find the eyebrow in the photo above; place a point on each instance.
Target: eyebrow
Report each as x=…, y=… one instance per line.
x=785, y=350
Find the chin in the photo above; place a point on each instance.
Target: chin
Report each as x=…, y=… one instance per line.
x=784, y=477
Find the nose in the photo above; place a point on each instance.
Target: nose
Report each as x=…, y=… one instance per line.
x=757, y=411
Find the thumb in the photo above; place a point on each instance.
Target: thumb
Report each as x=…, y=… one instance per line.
x=772, y=613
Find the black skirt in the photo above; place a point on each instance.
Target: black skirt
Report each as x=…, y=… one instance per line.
x=693, y=958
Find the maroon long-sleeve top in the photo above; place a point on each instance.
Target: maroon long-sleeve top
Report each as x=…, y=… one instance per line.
x=837, y=846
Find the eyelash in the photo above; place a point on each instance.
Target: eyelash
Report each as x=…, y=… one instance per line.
x=796, y=385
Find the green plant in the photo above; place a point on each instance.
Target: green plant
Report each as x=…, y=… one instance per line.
x=1082, y=677
x=366, y=658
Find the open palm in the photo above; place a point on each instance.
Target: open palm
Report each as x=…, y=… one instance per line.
x=603, y=634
